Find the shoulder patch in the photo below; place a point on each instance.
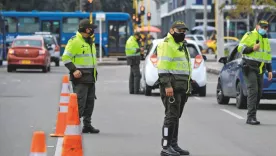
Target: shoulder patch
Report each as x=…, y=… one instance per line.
x=166, y=39
x=248, y=33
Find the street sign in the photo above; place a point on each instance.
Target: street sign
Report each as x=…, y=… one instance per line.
x=100, y=16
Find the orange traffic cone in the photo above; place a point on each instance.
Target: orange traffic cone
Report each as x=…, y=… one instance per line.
x=72, y=143
x=38, y=147
x=63, y=108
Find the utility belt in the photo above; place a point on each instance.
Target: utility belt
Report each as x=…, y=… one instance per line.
x=248, y=65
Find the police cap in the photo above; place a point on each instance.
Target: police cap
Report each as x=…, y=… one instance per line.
x=85, y=23
x=179, y=25
x=263, y=23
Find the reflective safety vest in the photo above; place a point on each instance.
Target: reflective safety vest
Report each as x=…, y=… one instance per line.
x=132, y=46
x=172, y=59
x=263, y=55
x=80, y=53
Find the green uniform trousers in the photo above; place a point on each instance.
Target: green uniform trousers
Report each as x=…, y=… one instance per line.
x=173, y=111
x=86, y=100
x=254, y=82
x=134, y=79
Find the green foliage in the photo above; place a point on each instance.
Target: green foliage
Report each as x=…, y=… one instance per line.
x=245, y=7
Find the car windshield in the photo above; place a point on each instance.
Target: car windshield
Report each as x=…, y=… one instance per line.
x=192, y=50
x=200, y=38
x=27, y=42
x=273, y=48
x=49, y=40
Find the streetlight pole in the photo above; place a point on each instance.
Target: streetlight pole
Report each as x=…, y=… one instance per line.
x=205, y=18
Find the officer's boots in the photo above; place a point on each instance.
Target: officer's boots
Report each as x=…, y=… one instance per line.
x=90, y=129
x=175, y=144
x=167, y=133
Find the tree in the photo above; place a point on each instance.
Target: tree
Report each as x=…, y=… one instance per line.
x=244, y=7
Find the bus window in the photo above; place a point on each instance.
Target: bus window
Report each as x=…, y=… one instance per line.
x=11, y=25
x=70, y=25
x=118, y=33
x=28, y=24
x=97, y=23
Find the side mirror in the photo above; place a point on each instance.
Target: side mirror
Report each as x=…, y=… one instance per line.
x=204, y=57
x=223, y=60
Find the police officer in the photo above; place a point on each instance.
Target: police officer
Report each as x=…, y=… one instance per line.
x=80, y=59
x=255, y=48
x=174, y=70
x=133, y=60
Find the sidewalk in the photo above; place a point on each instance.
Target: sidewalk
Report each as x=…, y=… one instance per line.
x=213, y=67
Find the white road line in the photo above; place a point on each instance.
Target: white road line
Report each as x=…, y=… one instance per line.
x=233, y=114
x=59, y=146
x=50, y=146
x=197, y=98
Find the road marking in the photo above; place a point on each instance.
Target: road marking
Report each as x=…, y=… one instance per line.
x=233, y=114
x=197, y=98
x=59, y=147
x=50, y=146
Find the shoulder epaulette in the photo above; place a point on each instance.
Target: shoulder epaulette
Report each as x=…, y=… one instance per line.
x=248, y=33
x=166, y=39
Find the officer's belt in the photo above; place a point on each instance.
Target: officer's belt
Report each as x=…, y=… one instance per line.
x=252, y=63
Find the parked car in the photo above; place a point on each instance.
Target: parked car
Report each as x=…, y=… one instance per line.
x=55, y=51
x=212, y=44
x=29, y=52
x=149, y=71
x=231, y=83
x=199, y=39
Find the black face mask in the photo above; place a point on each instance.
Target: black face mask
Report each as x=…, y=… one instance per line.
x=178, y=37
x=91, y=32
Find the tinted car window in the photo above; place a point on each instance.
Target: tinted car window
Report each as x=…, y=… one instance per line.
x=49, y=40
x=192, y=50
x=23, y=42
x=273, y=48
x=200, y=38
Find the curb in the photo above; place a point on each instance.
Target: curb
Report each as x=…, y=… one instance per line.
x=213, y=71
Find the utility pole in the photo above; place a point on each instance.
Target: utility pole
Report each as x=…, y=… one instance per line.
x=81, y=5
x=205, y=18
x=220, y=28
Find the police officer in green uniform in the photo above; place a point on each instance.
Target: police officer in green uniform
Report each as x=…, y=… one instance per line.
x=80, y=59
x=133, y=60
x=174, y=70
x=256, y=51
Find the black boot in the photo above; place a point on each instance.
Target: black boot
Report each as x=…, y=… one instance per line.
x=167, y=132
x=90, y=129
x=174, y=142
x=169, y=151
x=253, y=121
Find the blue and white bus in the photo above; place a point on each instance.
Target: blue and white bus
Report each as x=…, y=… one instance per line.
x=116, y=28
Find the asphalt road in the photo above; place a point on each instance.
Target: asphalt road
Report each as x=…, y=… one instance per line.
x=130, y=124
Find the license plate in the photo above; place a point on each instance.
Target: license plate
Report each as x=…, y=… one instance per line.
x=26, y=62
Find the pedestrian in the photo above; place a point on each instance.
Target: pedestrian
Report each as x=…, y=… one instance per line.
x=133, y=52
x=174, y=70
x=80, y=59
x=255, y=48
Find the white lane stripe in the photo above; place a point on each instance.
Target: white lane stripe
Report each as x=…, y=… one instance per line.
x=50, y=146
x=233, y=114
x=59, y=147
x=197, y=98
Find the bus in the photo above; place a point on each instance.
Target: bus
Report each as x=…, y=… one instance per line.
x=116, y=28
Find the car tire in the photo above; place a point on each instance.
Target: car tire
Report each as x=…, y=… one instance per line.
x=148, y=90
x=57, y=63
x=221, y=99
x=202, y=91
x=10, y=69
x=45, y=69
x=241, y=100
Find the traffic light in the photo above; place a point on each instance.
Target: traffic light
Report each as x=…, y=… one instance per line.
x=149, y=16
x=133, y=17
x=87, y=6
x=138, y=19
x=142, y=10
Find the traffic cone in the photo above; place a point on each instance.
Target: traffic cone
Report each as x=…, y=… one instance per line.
x=72, y=142
x=38, y=147
x=63, y=108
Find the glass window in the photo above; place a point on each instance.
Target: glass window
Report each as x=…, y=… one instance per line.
x=28, y=24
x=273, y=48
x=11, y=24
x=200, y=38
x=49, y=40
x=23, y=42
x=192, y=50
x=96, y=22
x=70, y=25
